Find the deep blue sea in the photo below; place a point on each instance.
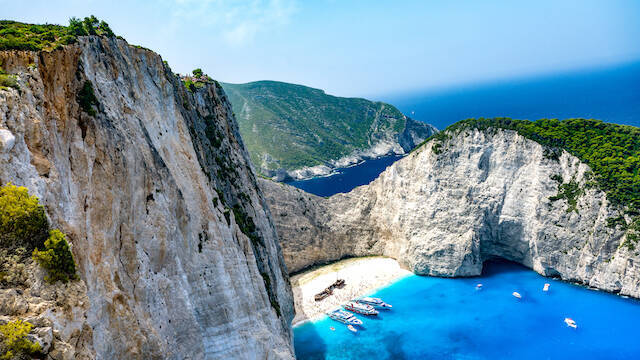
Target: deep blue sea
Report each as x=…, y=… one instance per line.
x=438, y=318
x=346, y=179
x=611, y=95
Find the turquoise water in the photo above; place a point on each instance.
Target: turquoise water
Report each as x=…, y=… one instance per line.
x=436, y=318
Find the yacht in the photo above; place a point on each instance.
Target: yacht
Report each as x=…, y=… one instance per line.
x=376, y=302
x=359, y=308
x=344, y=317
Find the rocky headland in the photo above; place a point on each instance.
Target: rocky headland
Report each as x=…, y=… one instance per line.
x=452, y=204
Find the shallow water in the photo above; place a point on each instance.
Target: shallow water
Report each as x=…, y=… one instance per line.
x=437, y=318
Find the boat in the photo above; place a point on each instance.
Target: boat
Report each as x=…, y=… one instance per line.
x=517, y=294
x=344, y=317
x=546, y=287
x=376, y=302
x=479, y=287
x=359, y=308
x=352, y=328
x=322, y=295
x=570, y=323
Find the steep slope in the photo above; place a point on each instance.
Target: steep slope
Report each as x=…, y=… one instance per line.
x=176, y=251
x=465, y=197
x=300, y=132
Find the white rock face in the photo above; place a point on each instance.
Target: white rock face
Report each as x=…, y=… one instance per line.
x=175, y=247
x=6, y=140
x=485, y=196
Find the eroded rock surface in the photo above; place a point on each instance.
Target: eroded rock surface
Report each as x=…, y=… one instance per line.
x=176, y=251
x=486, y=195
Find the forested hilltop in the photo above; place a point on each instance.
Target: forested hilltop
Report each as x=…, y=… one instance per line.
x=612, y=151
x=288, y=126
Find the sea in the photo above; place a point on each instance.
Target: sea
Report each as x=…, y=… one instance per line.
x=442, y=318
x=439, y=318
x=611, y=94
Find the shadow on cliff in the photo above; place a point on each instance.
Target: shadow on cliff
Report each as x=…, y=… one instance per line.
x=308, y=343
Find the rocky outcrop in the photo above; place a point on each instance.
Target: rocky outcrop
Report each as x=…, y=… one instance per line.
x=482, y=195
x=176, y=251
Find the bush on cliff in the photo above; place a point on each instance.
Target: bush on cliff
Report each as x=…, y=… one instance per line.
x=19, y=36
x=23, y=222
x=56, y=258
x=15, y=344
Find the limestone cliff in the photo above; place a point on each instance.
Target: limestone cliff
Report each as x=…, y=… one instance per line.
x=176, y=251
x=444, y=213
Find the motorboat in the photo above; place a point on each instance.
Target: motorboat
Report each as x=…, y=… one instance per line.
x=344, y=317
x=570, y=323
x=352, y=328
x=359, y=308
x=517, y=295
x=376, y=302
x=479, y=287
x=546, y=287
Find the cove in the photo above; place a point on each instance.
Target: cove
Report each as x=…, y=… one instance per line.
x=346, y=179
x=443, y=318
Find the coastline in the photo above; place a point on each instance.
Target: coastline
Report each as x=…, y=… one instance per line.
x=362, y=276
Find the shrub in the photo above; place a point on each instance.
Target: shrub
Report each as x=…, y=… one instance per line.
x=15, y=344
x=197, y=72
x=9, y=81
x=87, y=98
x=56, y=258
x=23, y=222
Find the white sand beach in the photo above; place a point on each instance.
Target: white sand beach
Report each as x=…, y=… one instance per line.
x=362, y=276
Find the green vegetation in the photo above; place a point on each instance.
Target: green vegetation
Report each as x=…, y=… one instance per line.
x=15, y=344
x=87, y=98
x=19, y=36
x=8, y=81
x=612, y=152
x=23, y=222
x=570, y=192
x=292, y=126
x=197, y=81
x=246, y=224
x=56, y=258
x=24, y=227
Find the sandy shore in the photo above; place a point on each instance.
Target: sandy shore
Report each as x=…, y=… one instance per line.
x=362, y=276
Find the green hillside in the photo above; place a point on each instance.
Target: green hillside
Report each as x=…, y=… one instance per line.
x=287, y=126
x=612, y=152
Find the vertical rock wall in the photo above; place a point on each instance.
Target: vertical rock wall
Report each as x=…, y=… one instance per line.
x=171, y=234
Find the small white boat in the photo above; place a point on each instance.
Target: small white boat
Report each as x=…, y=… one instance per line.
x=359, y=308
x=344, y=317
x=546, y=287
x=377, y=302
x=352, y=328
x=517, y=294
x=570, y=323
x=479, y=287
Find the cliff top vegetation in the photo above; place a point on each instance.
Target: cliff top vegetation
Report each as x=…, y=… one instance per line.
x=20, y=36
x=612, y=152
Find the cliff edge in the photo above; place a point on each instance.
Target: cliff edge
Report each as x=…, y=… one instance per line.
x=176, y=252
x=452, y=204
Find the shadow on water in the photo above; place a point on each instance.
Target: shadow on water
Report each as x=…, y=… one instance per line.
x=308, y=344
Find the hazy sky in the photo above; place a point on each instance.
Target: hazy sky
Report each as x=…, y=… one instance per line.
x=364, y=47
